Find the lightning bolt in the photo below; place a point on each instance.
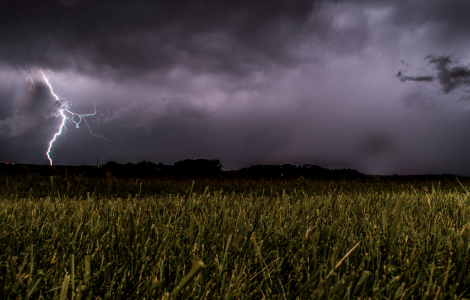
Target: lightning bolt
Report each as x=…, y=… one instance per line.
x=65, y=113
x=31, y=87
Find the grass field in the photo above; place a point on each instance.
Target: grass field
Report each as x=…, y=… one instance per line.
x=77, y=238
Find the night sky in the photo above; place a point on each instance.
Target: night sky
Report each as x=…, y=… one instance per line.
x=378, y=86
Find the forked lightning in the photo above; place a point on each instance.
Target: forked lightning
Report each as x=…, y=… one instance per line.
x=64, y=110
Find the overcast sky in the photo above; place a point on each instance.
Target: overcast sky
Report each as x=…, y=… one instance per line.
x=378, y=86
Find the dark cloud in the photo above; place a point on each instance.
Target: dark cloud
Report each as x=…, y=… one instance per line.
x=450, y=74
x=231, y=36
x=447, y=21
x=404, y=78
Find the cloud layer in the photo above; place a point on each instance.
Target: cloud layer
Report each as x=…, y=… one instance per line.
x=232, y=37
x=243, y=81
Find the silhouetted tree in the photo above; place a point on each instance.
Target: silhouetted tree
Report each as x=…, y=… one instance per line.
x=198, y=167
x=146, y=165
x=111, y=165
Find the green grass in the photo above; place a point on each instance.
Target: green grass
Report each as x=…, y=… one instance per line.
x=74, y=238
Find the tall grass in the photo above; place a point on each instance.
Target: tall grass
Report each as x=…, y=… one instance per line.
x=233, y=240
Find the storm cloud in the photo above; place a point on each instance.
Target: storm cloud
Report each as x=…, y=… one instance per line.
x=122, y=37
x=450, y=74
x=404, y=78
x=245, y=82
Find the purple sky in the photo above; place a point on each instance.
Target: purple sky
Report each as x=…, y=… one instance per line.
x=246, y=82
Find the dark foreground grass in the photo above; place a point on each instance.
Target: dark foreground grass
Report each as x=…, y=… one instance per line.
x=242, y=240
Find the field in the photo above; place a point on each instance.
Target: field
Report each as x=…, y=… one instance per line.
x=78, y=238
